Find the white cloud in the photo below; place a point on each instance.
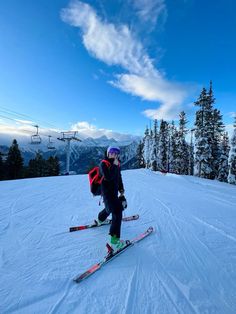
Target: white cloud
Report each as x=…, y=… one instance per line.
x=23, y=132
x=86, y=130
x=154, y=88
x=25, y=121
x=232, y=114
x=150, y=10
x=111, y=44
x=116, y=45
x=230, y=129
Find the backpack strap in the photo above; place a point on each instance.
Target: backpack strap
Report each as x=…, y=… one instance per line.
x=107, y=163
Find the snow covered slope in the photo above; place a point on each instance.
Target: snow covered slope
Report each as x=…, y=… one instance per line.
x=187, y=266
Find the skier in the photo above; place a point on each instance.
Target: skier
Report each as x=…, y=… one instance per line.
x=112, y=184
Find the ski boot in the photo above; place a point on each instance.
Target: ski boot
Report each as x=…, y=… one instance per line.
x=100, y=223
x=116, y=245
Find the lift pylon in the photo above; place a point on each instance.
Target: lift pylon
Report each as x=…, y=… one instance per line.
x=67, y=137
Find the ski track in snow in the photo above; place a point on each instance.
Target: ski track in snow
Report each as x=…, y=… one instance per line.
x=216, y=229
x=188, y=265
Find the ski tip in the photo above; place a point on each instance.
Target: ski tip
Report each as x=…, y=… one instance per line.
x=76, y=280
x=150, y=229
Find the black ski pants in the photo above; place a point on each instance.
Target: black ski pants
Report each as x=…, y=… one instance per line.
x=112, y=206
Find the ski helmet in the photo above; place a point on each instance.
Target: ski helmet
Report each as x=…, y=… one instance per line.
x=113, y=150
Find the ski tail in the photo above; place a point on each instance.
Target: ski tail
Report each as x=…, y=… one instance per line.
x=94, y=225
x=129, y=218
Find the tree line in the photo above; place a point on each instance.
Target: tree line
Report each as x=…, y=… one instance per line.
x=13, y=166
x=209, y=153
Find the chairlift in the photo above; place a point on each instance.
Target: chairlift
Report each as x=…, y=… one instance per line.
x=36, y=139
x=50, y=143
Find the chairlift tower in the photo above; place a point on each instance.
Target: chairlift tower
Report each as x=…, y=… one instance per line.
x=68, y=137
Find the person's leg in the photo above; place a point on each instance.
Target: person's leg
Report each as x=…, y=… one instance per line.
x=102, y=216
x=116, y=210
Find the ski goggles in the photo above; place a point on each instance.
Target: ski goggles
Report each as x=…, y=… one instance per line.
x=114, y=151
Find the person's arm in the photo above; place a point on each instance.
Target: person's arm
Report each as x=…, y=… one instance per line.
x=121, y=186
x=107, y=172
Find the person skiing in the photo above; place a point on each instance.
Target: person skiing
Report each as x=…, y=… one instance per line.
x=111, y=185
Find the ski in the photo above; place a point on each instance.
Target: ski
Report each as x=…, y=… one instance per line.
x=111, y=256
x=107, y=222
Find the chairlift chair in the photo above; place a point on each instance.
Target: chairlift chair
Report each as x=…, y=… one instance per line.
x=36, y=139
x=50, y=143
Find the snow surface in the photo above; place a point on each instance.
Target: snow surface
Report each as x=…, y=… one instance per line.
x=188, y=265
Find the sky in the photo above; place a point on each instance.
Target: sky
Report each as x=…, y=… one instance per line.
x=107, y=67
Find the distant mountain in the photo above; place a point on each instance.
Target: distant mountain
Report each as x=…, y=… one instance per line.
x=85, y=154
x=83, y=157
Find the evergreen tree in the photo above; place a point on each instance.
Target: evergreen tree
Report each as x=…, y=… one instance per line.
x=53, y=166
x=218, y=135
x=155, y=141
x=141, y=163
x=223, y=167
x=147, y=142
x=204, y=136
x=14, y=162
x=37, y=167
x=163, y=146
x=232, y=158
x=153, y=149
x=208, y=135
x=172, y=151
x=191, y=156
x=182, y=151
x=152, y=157
x=1, y=168
x=31, y=169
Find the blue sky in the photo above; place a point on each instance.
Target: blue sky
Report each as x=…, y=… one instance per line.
x=108, y=67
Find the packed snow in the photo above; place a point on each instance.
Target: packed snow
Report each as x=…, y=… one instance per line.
x=188, y=265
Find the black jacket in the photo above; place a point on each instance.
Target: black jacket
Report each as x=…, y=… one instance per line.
x=112, y=182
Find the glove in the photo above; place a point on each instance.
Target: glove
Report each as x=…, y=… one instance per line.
x=123, y=201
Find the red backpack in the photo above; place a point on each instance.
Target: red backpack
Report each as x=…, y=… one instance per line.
x=95, y=179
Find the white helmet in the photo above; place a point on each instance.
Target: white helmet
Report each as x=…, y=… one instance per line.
x=113, y=149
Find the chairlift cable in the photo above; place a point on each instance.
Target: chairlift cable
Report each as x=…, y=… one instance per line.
x=12, y=112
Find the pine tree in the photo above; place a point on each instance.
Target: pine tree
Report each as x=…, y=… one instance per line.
x=209, y=132
x=37, y=167
x=147, y=148
x=141, y=163
x=163, y=147
x=14, y=162
x=53, y=166
x=172, y=151
x=223, y=167
x=31, y=169
x=182, y=151
x=191, y=155
x=232, y=158
x=204, y=136
x=1, y=168
x=218, y=135
x=154, y=146
x=152, y=157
